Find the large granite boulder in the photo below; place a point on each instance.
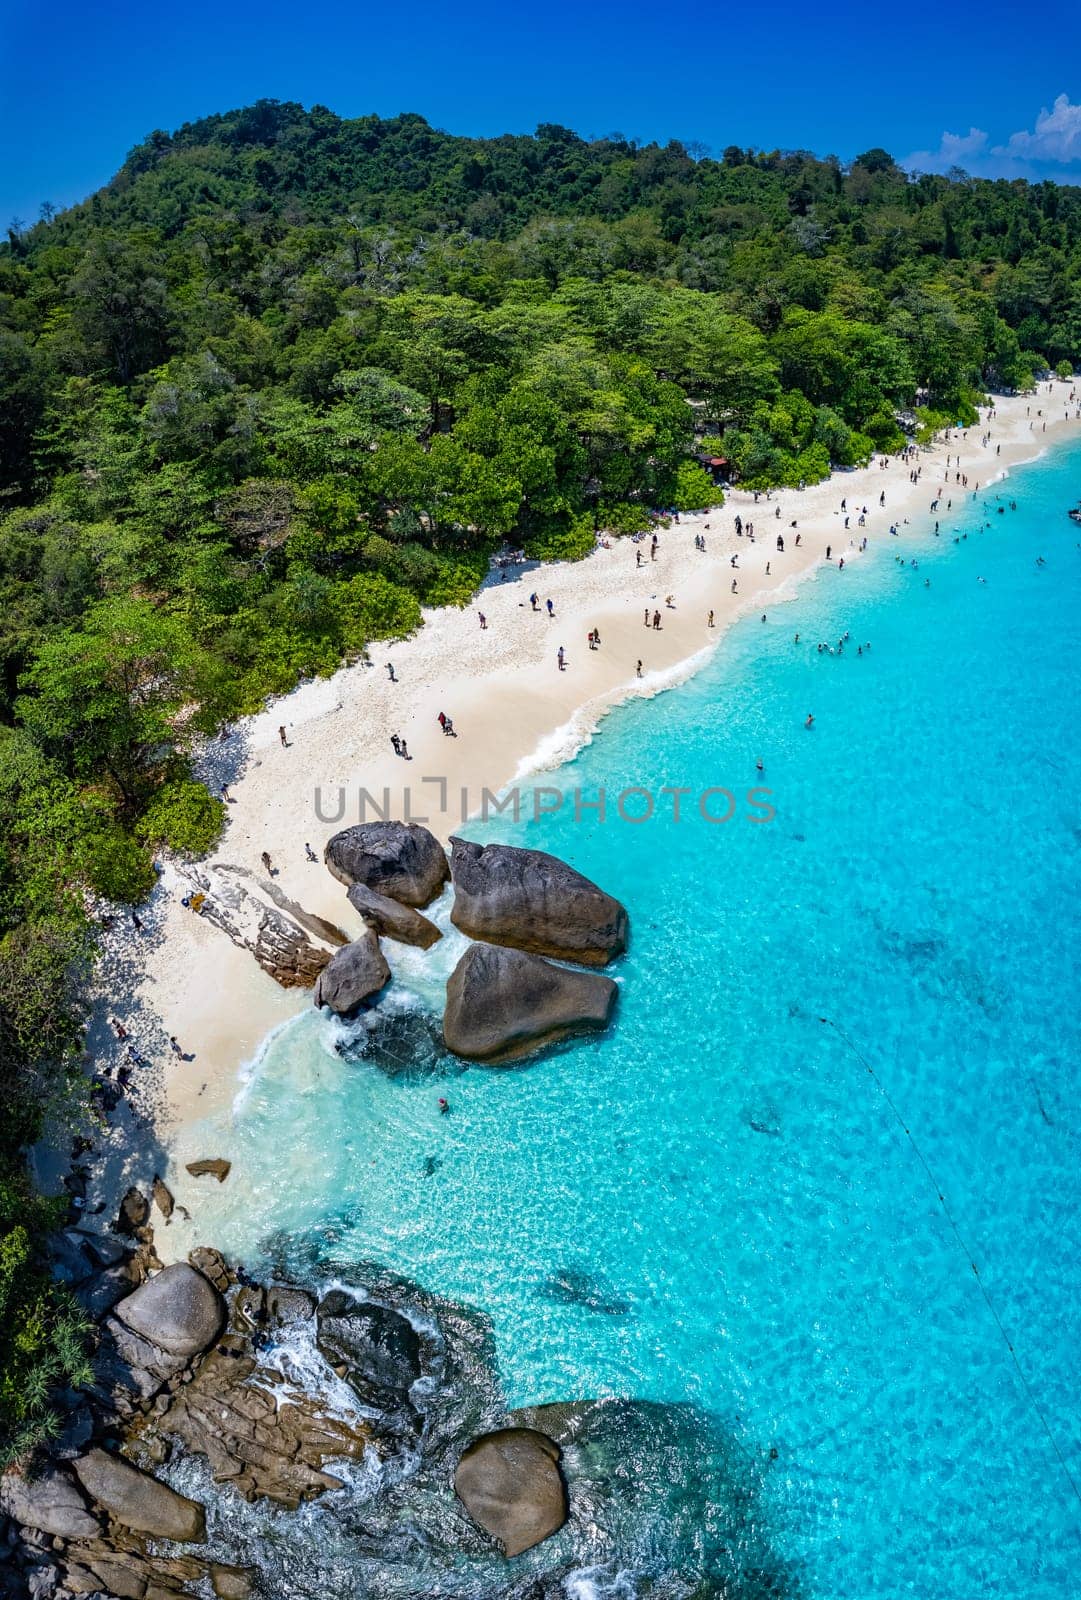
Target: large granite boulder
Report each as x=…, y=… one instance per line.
x=503, y=1003
x=392, y=920
x=534, y=902
x=374, y=1347
x=352, y=975
x=139, y=1501
x=51, y=1503
x=510, y=1483
x=398, y=859
x=178, y=1310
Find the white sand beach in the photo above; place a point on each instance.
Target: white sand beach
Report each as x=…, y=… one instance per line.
x=513, y=711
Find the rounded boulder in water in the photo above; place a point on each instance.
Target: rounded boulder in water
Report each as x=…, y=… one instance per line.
x=533, y=901
x=510, y=1483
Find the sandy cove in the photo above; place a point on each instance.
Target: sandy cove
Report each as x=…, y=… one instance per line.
x=514, y=711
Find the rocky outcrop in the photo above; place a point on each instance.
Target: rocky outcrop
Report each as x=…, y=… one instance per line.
x=257, y=1433
x=535, y=902
x=398, y=859
x=136, y=1500
x=163, y=1198
x=104, y=1569
x=510, y=1483
x=287, y=942
x=503, y=1003
x=178, y=1311
x=134, y=1214
x=353, y=975
x=51, y=1503
x=392, y=920
x=210, y=1167
x=374, y=1347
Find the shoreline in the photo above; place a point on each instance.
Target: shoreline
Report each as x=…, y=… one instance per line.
x=516, y=714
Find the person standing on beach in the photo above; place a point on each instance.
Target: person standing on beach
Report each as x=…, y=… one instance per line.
x=390, y=672
x=533, y=602
x=265, y=859
x=638, y=670
x=483, y=620
x=284, y=740
x=396, y=744
x=709, y=623
x=442, y=720
x=559, y=658
x=656, y=621
x=310, y=853
x=405, y=752
x=551, y=608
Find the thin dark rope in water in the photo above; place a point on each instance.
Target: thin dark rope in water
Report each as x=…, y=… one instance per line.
x=1037, y=1409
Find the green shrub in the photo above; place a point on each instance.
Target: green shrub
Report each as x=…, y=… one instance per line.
x=564, y=539
x=184, y=816
x=456, y=579
x=695, y=489
x=624, y=517
x=43, y=1333
x=884, y=433
x=117, y=866
x=370, y=607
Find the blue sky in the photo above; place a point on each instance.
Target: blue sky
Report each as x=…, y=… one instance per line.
x=994, y=87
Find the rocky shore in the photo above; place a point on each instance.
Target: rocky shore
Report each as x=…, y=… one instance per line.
x=284, y=1441
x=188, y=1363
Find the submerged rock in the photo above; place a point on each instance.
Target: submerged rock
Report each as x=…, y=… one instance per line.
x=353, y=975
x=210, y=1167
x=535, y=902
x=375, y=1348
x=51, y=1502
x=139, y=1501
x=510, y=1483
x=503, y=1003
x=178, y=1311
x=392, y=920
x=398, y=859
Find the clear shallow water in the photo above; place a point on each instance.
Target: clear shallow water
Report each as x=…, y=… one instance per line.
x=714, y=1203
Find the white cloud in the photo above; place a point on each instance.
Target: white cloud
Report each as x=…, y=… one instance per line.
x=955, y=150
x=1054, y=142
x=1057, y=135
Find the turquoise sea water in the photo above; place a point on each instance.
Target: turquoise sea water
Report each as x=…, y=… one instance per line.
x=717, y=1202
